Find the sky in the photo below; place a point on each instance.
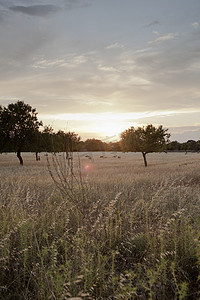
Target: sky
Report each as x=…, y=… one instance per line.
x=98, y=67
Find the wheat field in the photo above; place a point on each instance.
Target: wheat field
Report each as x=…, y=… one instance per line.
x=100, y=227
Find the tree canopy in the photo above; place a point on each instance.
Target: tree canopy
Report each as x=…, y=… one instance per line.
x=18, y=127
x=144, y=139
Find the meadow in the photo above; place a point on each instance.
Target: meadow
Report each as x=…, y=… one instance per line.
x=100, y=228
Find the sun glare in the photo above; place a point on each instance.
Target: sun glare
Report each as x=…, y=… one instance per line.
x=104, y=125
x=108, y=128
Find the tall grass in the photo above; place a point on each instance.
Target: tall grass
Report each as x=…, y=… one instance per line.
x=102, y=229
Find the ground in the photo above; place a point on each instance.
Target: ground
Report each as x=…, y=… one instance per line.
x=100, y=227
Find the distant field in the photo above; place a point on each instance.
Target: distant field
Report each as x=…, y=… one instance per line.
x=101, y=228
x=127, y=162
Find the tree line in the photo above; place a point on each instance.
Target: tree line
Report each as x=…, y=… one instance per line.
x=20, y=132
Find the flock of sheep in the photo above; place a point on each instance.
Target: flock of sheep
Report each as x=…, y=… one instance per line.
x=102, y=156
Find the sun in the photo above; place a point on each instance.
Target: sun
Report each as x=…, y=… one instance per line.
x=109, y=128
x=109, y=125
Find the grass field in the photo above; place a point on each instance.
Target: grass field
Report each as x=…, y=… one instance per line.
x=100, y=228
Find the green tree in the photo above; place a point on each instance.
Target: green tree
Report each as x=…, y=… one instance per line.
x=47, y=139
x=174, y=146
x=114, y=146
x=192, y=146
x=94, y=145
x=145, y=140
x=18, y=127
x=67, y=141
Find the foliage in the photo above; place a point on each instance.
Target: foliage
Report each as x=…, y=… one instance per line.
x=67, y=142
x=94, y=145
x=18, y=127
x=174, y=145
x=144, y=139
x=189, y=146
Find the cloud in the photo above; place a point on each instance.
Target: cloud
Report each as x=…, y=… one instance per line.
x=176, y=65
x=3, y=10
x=72, y=4
x=115, y=46
x=2, y=15
x=195, y=25
x=3, y=3
x=43, y=10
x=69, y=61
x=164, y=38
x=156, y=32
x=152, y=24
x=106, y=68
x=36, y=10
x=184, y=133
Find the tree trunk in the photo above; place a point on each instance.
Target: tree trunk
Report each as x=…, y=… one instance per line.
x=37, y=156
x=20, y=158
x=145, y=160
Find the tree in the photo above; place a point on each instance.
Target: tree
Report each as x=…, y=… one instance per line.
x=47, y=136
x=144, y=139
x=174, y=146
x=114, y=146
x=68, y=141
x=94, y=145
x=192, y=146
x=18, y=127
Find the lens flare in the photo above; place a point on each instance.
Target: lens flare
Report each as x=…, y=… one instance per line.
x=87, y=168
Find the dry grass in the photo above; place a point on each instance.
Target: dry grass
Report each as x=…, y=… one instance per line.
x=120, y=231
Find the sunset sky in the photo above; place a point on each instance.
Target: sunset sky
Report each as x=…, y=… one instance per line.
x=97, y=67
